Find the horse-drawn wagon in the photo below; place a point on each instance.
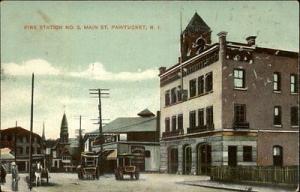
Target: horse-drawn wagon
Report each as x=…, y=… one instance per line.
x=89, y=166
x=125, y=166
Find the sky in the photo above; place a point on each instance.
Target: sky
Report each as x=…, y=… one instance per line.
x=70, y=60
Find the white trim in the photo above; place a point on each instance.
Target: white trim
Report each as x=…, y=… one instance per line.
x=187, y=61
x=241, y=88
x=241, y=130
x=280, y=131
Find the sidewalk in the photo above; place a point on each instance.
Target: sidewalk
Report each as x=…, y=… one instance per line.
x=22, y=185
x=235, y=187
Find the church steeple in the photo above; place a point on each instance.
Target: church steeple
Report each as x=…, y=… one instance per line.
x=195, y=37
x=64, y=134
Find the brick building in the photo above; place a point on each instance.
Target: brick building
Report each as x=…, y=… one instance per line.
x=225, y=103
x=17, y=140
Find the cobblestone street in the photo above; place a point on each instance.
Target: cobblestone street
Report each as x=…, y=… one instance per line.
x=148, y=182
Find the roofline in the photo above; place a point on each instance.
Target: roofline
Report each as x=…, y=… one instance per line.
x=20, y=128
x=176, y=66
x=261, y=49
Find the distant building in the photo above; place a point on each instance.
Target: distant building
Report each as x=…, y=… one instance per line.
x=17, y=140
x=136, y=135
x=228, y=103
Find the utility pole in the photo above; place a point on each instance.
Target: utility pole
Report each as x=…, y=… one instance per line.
x=79, y=132
x=100, y=93
x=15, y=143
x=30, y=136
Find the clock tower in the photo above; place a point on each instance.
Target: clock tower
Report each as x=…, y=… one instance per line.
x=195, y=38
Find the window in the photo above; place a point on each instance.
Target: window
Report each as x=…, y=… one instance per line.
x=200, y=85
x=200, y=117
x=167, y=124
x=239, y=78
x=295, y=116
x=147, y=153
x=20, y=149
x=173, y=123
x=192, y=87
x=276, y=81
x=277, y=115
x=277, y=155
x=247, y=153
x=209, y=82
x=27, y=150
x=173, y=95
x=294, y=83
x=239, y=113
x=167, y=98
x=19, y=139
x=180, y=121
x=209, y=117
x=123, y=137
x=192, y=119
x=179, y=95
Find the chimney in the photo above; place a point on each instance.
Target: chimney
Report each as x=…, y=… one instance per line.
x=222, y=41
x=157, y=135
x=251, y=40
x=162, y=70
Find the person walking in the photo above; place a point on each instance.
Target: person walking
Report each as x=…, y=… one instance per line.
x=15, y=176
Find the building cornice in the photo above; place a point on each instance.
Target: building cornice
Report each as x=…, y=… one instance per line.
x=170, y=70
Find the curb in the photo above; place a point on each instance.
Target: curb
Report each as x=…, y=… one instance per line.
x=216, y=187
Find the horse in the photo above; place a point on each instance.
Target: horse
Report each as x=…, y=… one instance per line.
x=38, y=174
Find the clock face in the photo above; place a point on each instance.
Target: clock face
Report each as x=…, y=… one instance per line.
x=200, y=45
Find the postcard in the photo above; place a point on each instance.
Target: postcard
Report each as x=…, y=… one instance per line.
x=149, y=96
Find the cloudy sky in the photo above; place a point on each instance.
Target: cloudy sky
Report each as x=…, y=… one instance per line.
x=67, y=62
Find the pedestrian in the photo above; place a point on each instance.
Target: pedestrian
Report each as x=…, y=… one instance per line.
x=2, y=174
x=15, y=176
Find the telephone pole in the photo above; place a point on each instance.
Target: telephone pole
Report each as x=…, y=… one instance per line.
x=30, y=136
x=79, y=132
x=100, y=93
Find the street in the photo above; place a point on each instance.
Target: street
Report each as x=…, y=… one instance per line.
x=148, y=182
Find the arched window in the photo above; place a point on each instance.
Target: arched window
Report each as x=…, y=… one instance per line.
x=277, y=155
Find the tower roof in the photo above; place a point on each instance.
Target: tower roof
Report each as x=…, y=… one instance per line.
x=64, y=123
x=197, y=24
x=146, y=113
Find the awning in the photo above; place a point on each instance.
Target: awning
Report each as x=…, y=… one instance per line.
x=112, y=155
x=6, y=155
